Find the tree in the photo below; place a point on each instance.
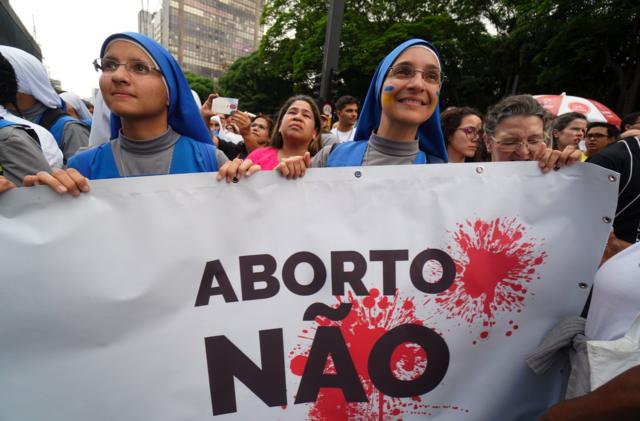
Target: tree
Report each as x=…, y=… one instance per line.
x=489, y=49
x=202, y=85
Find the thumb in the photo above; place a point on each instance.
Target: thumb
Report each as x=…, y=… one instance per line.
x=307, y=159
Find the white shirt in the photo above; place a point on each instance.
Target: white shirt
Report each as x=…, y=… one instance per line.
x=50, y=149
x=616, y=296
x=344, y=136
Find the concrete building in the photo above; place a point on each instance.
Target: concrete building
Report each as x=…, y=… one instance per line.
x=205, y=36
x=13, y=32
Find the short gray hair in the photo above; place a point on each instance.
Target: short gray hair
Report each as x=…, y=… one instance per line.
x=515, y=105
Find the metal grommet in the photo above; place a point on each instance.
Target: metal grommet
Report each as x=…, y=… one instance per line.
x=234, y=180
x=612, y=178
x=583, y=285
x=358, y=174
x=480, y=170
x=606, y=219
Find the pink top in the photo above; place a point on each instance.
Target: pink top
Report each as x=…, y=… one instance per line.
x=267, y=158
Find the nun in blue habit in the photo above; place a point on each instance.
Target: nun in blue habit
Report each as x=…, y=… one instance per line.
x=156, y=127
x=400, y=119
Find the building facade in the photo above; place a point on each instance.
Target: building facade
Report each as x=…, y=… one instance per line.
x=205, y=36
x=13, y=32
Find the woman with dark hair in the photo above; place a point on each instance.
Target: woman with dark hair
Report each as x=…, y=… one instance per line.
x=462, y=129
x=568, y=129
x=297, y=131
x=255, y=134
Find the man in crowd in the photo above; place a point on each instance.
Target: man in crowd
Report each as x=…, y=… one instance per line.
x=599, y=136
x=347, y=111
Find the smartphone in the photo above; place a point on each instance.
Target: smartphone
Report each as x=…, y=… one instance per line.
x=222, y=105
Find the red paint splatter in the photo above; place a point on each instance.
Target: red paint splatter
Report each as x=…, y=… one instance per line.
x=369, y=319
x=494, y=262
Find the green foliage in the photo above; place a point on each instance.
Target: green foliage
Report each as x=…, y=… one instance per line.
x=588, y=48
x=202, y=85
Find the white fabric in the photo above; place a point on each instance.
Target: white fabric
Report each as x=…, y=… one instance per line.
x=616, y=296
x=607, y=359
x=32, y=76
x=101, y=125
x=230, y=136
x=78, y=105
x=114, y=323
x=196, y=98
x=50, y=149
x=344, y=136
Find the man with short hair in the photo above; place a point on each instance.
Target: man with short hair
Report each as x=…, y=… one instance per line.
x=599, y=136
x=347, y=111
x=630, y=125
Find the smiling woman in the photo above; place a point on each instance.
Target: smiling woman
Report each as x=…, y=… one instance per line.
x=400, y=119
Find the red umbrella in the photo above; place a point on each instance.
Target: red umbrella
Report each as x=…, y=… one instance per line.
x=561, y=104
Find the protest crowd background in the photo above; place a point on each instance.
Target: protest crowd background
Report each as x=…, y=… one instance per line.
x=439, y=83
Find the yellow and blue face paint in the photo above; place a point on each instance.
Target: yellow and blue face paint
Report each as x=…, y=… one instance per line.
x=387, y=94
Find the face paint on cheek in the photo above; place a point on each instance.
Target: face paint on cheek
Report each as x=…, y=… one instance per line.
x=387, y=94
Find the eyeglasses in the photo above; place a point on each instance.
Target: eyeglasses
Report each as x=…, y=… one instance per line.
x=406, y=72
x=512, y=145
x=136, y=67
x=595, y=136
x=471, y=132
x=259, y=126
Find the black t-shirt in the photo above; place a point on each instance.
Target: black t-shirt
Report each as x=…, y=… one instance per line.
x=624, y=158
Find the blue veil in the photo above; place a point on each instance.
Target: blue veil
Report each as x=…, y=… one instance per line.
x=184, y=115
x=430, y=135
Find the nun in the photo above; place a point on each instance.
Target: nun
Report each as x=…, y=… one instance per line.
x=39, y=103
x=400, y=119
x=156, y=127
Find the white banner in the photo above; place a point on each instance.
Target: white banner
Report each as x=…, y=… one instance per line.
x=412, y=292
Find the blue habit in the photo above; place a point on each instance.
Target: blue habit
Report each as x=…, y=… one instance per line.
x=430, y=137
x=189, y=156
x=193, y=152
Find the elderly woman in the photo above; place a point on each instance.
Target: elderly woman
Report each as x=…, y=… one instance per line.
x=514, y=131
x=155, y=124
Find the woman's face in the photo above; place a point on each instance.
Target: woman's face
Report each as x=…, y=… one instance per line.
x=131, y=95
x=516, y=138
x=411, y=89
x=298, y=123
x=466, y=139
x=572, y=134
x=258, y=135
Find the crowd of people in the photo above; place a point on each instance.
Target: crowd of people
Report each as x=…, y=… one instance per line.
x=147, y=122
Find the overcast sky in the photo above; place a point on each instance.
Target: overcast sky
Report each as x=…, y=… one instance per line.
x=70, y=33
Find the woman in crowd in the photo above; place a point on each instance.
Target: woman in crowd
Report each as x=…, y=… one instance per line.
x=462, y=129
x=298, y=127
x=255, y=134
x=39, y=103
x=20, y=152
x=514, y=131
x=76, y=107
x=400, y=119
x=155, y=124
x=568, y=129
x=8, y=98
